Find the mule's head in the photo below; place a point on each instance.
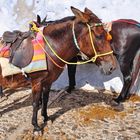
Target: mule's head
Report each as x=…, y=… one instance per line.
x=93, y=40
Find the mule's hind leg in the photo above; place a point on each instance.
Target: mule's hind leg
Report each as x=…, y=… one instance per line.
x=124, y=91
x=45, y=98
x=130, y=71
x=36, y=94
x=135, y=73
x=126, y=69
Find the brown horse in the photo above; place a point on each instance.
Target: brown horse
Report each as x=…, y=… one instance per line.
x=60, y=35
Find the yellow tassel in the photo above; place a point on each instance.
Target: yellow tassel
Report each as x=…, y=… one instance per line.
x=109, y=37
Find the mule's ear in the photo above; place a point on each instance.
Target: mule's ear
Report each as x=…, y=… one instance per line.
x=44, y=20
x=88, y=11
x=93, y=16
x=80, y=15
x=38, y=19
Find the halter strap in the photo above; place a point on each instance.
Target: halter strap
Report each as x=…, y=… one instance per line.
x=74, y=37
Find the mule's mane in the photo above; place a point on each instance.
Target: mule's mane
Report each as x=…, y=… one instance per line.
x=65, y=19
x=61, y=27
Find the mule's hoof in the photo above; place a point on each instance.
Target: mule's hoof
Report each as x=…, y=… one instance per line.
x=128, y=97
x=114, y=103
x=37, y=133
x=37, y=129
x=69, y=89
x=117, y=106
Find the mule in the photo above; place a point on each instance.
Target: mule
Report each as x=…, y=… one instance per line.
x=126, y=47
x=67, y=37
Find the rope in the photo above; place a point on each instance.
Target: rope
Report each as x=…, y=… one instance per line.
x=91, y=39
x=49, y=55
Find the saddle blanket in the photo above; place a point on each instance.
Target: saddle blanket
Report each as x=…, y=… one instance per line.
x=38, y=62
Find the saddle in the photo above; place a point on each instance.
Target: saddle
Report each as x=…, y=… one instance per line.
x=11, y=37
x=21, y=52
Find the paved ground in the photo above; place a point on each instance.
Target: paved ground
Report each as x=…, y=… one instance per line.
x=81, y=115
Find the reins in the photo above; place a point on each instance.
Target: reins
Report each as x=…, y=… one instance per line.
x=93, y=59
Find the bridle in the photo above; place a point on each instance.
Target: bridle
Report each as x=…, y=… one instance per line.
x=93, y=59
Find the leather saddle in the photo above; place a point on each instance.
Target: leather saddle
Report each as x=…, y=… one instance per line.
x=21, y=48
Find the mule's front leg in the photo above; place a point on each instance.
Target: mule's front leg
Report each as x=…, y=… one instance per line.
x=45, y=98
x=71, y=75
x=36, y=93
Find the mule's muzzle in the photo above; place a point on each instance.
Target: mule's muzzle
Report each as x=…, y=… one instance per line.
x=107, y=68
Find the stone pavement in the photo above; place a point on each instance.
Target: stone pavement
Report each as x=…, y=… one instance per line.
x=81, y=115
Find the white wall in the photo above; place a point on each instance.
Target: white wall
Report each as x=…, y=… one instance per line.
x=89, y=76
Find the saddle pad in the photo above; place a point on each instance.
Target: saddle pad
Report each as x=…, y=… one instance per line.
x=39, y=58
x=7, y=68
x=38, y=61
